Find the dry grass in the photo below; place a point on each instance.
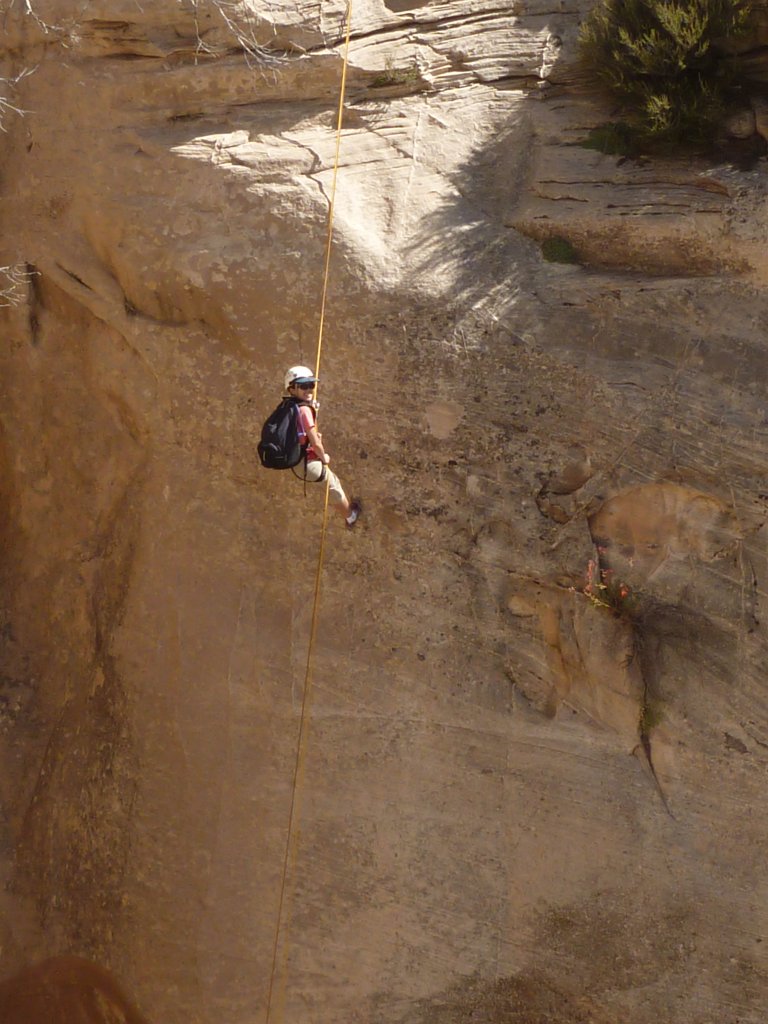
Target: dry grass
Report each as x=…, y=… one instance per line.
x=14, y=279
x=243, y=25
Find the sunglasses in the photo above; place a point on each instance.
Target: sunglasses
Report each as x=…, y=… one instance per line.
x=306, y=387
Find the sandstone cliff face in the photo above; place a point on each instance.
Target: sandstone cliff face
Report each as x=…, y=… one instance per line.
x=535, y=780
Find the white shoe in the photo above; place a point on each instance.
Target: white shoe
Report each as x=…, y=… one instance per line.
x=355, y=508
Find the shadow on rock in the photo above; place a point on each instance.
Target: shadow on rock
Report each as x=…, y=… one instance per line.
x=65, y=990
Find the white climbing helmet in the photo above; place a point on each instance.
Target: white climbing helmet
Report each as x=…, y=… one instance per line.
x=299, y=375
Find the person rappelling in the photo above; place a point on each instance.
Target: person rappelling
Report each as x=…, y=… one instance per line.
x=290, y=436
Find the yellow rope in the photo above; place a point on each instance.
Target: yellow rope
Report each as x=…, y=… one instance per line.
x=333, y=187
x=294, y=816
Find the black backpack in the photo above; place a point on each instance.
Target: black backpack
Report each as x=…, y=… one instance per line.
x=279, y=447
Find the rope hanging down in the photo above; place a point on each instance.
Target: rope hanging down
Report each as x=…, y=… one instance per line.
x=294, y=815
x=331, y=205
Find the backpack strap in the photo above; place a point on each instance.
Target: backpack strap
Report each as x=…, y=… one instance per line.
x=303, y=477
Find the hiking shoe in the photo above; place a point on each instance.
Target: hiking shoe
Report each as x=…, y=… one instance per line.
x=355, y=508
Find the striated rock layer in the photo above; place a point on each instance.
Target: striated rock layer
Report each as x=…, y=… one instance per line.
x=534, y=784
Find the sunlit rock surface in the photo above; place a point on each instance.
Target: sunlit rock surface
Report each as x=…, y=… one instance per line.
x=535, y=777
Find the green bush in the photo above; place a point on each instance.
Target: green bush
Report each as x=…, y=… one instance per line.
x=651, y=715
x=559, y=250
x=615, y=138
x=667, y=61
x=396, y=76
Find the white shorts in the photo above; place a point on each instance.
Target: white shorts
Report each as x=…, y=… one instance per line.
x=317, y=473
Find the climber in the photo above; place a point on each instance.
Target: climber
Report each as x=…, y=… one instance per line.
x=300, y=383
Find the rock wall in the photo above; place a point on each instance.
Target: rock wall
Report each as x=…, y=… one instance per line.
x=534, y=786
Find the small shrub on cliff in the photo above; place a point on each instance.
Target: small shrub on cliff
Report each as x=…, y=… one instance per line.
x=651, y=715
x=604, y=590
x=615, y=138
x=14, y=281
x=395, y=76
x=667, y=61
x=7, y=87
x=559, y=250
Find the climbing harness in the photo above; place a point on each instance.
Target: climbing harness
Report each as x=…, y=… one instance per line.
x=276, y=990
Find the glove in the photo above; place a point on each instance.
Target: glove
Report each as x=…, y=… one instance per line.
x=326, y=459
